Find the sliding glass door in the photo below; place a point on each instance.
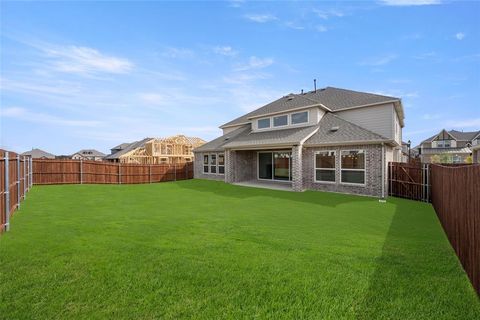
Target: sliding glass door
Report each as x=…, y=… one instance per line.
x=275, y=165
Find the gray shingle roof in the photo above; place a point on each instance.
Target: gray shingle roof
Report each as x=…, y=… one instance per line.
x=458, y=135
x=121, y=146
x=346, y=132
x=130, y=147
x=273, y=137
x=218, y=143
x=334, y=99
x=38, y=154
x=90, y=153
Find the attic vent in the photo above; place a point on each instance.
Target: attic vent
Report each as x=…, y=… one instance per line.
x=289, y=98
x=333, y=129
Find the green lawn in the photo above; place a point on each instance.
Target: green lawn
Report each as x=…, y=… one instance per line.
x=208, y=250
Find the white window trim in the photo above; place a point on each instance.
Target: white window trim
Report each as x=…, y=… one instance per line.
x=273, y=167
x=301, y=123
x=364, y=169
x=216, y=164
x=289, y=121
x=315, y=167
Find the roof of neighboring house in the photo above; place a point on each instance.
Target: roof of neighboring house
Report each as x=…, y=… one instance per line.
x=344, y=132
x=447, y=150
x=287, y=137
x=457, y=135
x=38, y=153
x=90, y=153
x=332, y=99
x=218, y=143
x=121, y=146
x=128, y=148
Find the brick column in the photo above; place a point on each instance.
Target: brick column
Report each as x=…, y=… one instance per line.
x=297, y=172
x=229, y=166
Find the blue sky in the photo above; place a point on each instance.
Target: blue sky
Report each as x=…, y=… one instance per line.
x=94, y=74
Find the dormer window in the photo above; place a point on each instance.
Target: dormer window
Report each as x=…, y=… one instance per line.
x=263, y=123
x=280, y=121
x=443, y=144
x=299, y=117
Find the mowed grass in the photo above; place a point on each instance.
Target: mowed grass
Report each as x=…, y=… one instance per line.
x=207, y=250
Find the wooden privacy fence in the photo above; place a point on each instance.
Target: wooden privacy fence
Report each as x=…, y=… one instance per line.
x=100, y=172
x=456, y=199
x=409, y=180
x=15, y=181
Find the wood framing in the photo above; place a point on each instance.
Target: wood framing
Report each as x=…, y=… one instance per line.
x=170, y=150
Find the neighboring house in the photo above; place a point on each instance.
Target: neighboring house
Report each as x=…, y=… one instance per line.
x=406, y=152
x=170, y=150
x=330, y=139
x=448, y=146
x=476, y=151
x=38, y=154
x=88, y=154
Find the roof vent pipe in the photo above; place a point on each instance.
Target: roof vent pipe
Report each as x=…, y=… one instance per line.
x=314, y=85
x=302, y=91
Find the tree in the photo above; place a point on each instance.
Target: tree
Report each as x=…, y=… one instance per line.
x=445, y=158
x=435, y=158
x=469, y=159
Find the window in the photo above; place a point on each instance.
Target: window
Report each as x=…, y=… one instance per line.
x=300, y=117
x=263, y=123
x=325, y=166
x=205, y=163
x=213, y=163
x=280, y=121
x=353, y=166
x=221, y=164
x=443, y=144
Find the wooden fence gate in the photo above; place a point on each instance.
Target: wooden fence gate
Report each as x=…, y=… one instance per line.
x=409, y=180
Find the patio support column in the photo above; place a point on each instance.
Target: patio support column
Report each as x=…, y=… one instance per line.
x=297, y=170
x=229, y=166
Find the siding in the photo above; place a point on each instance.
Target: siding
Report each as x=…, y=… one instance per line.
x=379, y=119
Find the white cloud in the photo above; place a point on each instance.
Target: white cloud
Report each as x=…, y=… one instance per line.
x=293, y=25
x=429, y=116
x=401, y=3
x=379, y=61
x=460, y=35
x=326, y=14
x=242, y=78
x=84, y=60
x=321, y=28
x=225, y=51
x=465, y=123
x=261, y=18
x=255, y=63
x=182, y=53
x=43, y=118
x=236, y=3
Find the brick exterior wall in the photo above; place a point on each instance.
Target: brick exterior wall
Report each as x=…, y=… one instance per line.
x=242, y=166
x=198, y=168
x=373, y=174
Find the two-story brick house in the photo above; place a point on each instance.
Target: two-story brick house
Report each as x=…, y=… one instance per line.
x=329, y=139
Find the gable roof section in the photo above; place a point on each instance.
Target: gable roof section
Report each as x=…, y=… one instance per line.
x=38, y=153
x=120, y=146
x=90, y=153
x=283, y=137
x=130, y=147
x=457, y=135
x=329, y=98
x=218, y=143
x=347, y=132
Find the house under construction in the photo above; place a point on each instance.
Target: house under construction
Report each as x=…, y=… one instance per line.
x=171, y=150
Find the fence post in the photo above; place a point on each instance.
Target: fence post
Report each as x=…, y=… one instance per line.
x=175, y=171
x=119, y=173
x=7, y=194
x=81, y=172
x=149, y=173
x=18, y=181
x=31, y=173
x=24, y=178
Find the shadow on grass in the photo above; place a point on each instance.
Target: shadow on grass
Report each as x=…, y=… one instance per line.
x=417, y=275
x=223, y=189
